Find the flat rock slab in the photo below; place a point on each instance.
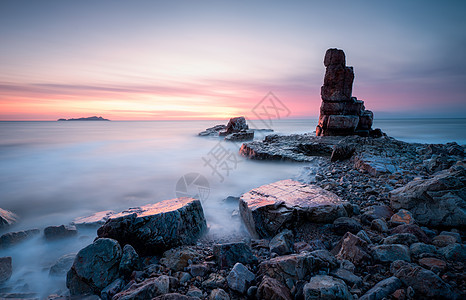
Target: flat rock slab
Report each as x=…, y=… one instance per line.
x=157, y=227
x=295, y=147
x=375, y=165
x=268, y=209
x=95, y=220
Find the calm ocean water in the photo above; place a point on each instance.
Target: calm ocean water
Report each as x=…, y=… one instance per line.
x=52, y=172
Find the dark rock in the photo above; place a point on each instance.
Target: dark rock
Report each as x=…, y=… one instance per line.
x=288, y=267
x=94, y=268
x=129, y=261
x=229, y=254
x=433, y=264
x=194, y=292
x=373, y=212
x=437, y=201
x=456, y=235
x=413, y=229
x=240, y=278
x=401, y=238
x=213, y=131
x=218, y=294
x=444, y=240
x=177, y=259
x=390, y=253
x=418, y=249
x=234, y=125
x=326, y=287
x=13, y=238
x=273, y=289
x=343, y=225
x=59, y=232
x=380, y=225
x=157, y=227
x=382, y=289
x=62, y=265
x=148, y=289
x=112, y=289
x=342, y=152
x=7, y=218
x=273, y=207
x=334, y=56
x=347, y=276
x=6, y=269
x=198, y=270
x=352, y=248
x=425, y=283
x=240, y=136
x=374, y=165
x=214, y=281
x=175, y=296
x=282, y=243
x=454, y=252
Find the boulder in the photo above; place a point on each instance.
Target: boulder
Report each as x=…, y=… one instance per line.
x=382, y=289
x=13, y=238
x=214, y=281
x=218, y=294
x=380, y=225
x=443, y=240
x=288, y=267
x=7, y=218
x=413, y=229
x=178, y=258
x=437, y=201
x=175, y=296
x=434, y=264
x=282, y=243
x=347, y=276
x=425, y=283
x=374, y=165
x=157, y=227
x=390, y=253
x=352, y=248
x=112, y=289
x=6, y=269
x=326, y=287
x=422, y=249
x=229, y=254
x=240, y=278
x=59, y=232
x=373, y=212
x=343, y=225
x=234, y=125
x=148, y=289
x=401, y=238
x=268, y=209
x=454, y=252
x=273, y=289
x=129, y=261
x=403, y=216
x=62, y=265
x=95, y=267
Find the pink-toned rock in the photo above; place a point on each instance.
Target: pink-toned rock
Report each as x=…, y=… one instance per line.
x=268, y=209
x=352, y=248
x=433, y=264
x=403, y=216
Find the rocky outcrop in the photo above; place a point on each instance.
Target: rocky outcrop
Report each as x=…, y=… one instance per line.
x=62, y=265
x=7, y=218
x=213, y=131
x=437, y=201
x=12, y=238
x=234, y=125
x=59, y=232
x=268, y=209
x=94, y=268
x=236, y=130
x=340, y=113
x=157, y=227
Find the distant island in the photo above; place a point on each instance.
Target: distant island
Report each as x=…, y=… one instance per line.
x=94, y=118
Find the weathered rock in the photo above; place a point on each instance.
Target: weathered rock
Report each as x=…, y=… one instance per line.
x=418, y=249
x=374, y=165
x=229, y=254
x=7, y=218
x=425, y=283
x=373, y=212
x=380, y=225
x=175, y=296
x=157, y=227
x=273, y=289
x=295, y=147
x=454, y=252
x=129, y=261
x=433, y=264
x=273, y=207
x=443, y=240
x=240, y=136
x=382, y=289
x=59, y=232
x=390, y=253
x=282, y=243
x=13, y=238
x=288, y=267
x=214, y=281
x=148, y=289
x=401, y=238
x=403, y=216
x=213, y=131
x=218, y=294
x=326, y=287
x=347, y=276
x=198, y=270
x=413, y=229
x=363, y=236
x=343, y=225
x=437, y=201
x=62, y=265
x=95, y=220
x=177, y=259
x=342, y=152
x=194, y=292
x=240, y=278
x=456, y=235
x=235, y=125
x=352, y=248
x=112, y=289
x=94, y=268
x=6, y=269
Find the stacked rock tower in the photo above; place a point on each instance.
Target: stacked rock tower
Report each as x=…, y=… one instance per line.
x=340, y=113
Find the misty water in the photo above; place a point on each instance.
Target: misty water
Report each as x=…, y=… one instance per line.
x=53, y=172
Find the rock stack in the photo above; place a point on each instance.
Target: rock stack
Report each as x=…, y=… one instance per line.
x=340, y=113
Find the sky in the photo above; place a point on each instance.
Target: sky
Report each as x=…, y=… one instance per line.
x=169, y=60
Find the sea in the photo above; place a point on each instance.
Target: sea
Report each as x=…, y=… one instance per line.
x=53, y=172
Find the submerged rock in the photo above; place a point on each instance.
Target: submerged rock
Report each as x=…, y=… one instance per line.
x=13, y=238
x=59, y=232
x=7, y=218
x=62, y=265
x=437, y=201
x=157, y=227
x=95, y=267
x=273, y=207
x=6, y=269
